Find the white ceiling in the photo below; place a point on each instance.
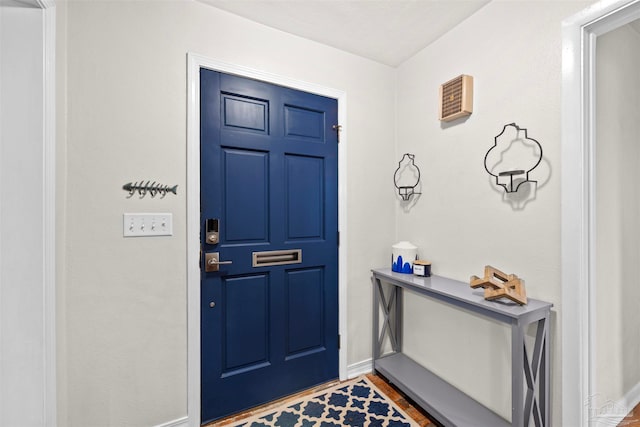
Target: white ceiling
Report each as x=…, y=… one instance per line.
x=387, y=31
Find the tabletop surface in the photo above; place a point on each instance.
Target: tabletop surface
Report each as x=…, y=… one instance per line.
x=461, y=293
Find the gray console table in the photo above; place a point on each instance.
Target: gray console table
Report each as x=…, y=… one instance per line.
x=530, y=374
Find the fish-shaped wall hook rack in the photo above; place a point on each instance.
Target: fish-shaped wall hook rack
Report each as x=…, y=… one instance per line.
x=152, y=188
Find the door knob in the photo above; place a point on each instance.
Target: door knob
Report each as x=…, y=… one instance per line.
x=212, y=261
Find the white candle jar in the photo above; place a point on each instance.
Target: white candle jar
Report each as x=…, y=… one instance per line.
x=402, y=256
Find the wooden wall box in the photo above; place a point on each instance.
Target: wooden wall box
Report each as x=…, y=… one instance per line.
x=456, y=98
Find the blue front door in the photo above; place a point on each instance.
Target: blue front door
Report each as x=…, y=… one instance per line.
x=269, y=180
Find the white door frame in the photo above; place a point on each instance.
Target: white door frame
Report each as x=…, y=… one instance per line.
x=194, y=63
x=44, y=307
x=579, y=199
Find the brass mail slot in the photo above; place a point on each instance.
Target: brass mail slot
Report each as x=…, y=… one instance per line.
x=267, y=258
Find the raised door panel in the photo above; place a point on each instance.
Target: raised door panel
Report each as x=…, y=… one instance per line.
x=304, y=197
x=304, y=123
x=305, y=304
x=246, y=325
x=246, y=196
x=245, y=113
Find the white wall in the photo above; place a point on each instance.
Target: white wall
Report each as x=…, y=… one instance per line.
x=617, y=323
x=461, y=223
x=123, y=301
x=22, y=327
x=61, y=209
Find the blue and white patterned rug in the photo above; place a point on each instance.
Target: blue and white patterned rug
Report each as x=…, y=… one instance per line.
x=357, y=403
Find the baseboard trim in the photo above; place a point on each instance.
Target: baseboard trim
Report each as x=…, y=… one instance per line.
x=633, y=397
x=180, y=422
x=612, y=413
x=359, y=368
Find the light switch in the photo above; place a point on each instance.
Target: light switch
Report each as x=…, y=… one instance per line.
x=147, y=224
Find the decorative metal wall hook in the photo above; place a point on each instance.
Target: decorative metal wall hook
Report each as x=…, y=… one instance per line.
x=519, y=173
x=407, y=191
x=153, y=188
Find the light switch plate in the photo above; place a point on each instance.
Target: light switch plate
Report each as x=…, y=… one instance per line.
x=147, y=224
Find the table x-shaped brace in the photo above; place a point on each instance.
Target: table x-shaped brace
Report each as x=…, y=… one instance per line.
x=534, y=372
x=391, y=326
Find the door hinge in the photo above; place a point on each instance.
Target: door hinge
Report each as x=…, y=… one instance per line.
x=339, y=341
x=338, y=129
x=338, y=238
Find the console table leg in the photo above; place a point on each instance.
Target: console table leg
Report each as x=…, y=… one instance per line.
x=517, y=376
x=534, y=370
x=545, y=375
x=397, y=318
x=392, y=318
x=375, y=353
x=536, y=373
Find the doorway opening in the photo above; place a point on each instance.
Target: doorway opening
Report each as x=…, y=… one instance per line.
x=580, y=34
x=195, y=63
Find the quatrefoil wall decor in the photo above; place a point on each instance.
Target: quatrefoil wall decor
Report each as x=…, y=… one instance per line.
x=407, y=177
x=512, y=157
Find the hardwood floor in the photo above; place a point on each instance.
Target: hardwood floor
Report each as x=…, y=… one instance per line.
x=414, y=411
x=633, y=419
x=389, y=390
x=249, y=413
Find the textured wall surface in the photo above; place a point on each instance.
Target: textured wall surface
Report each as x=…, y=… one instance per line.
x=461, y=222
x=22, y=191
x=123, y=310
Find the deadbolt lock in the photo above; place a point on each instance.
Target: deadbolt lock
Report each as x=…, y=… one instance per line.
x=212, y=233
